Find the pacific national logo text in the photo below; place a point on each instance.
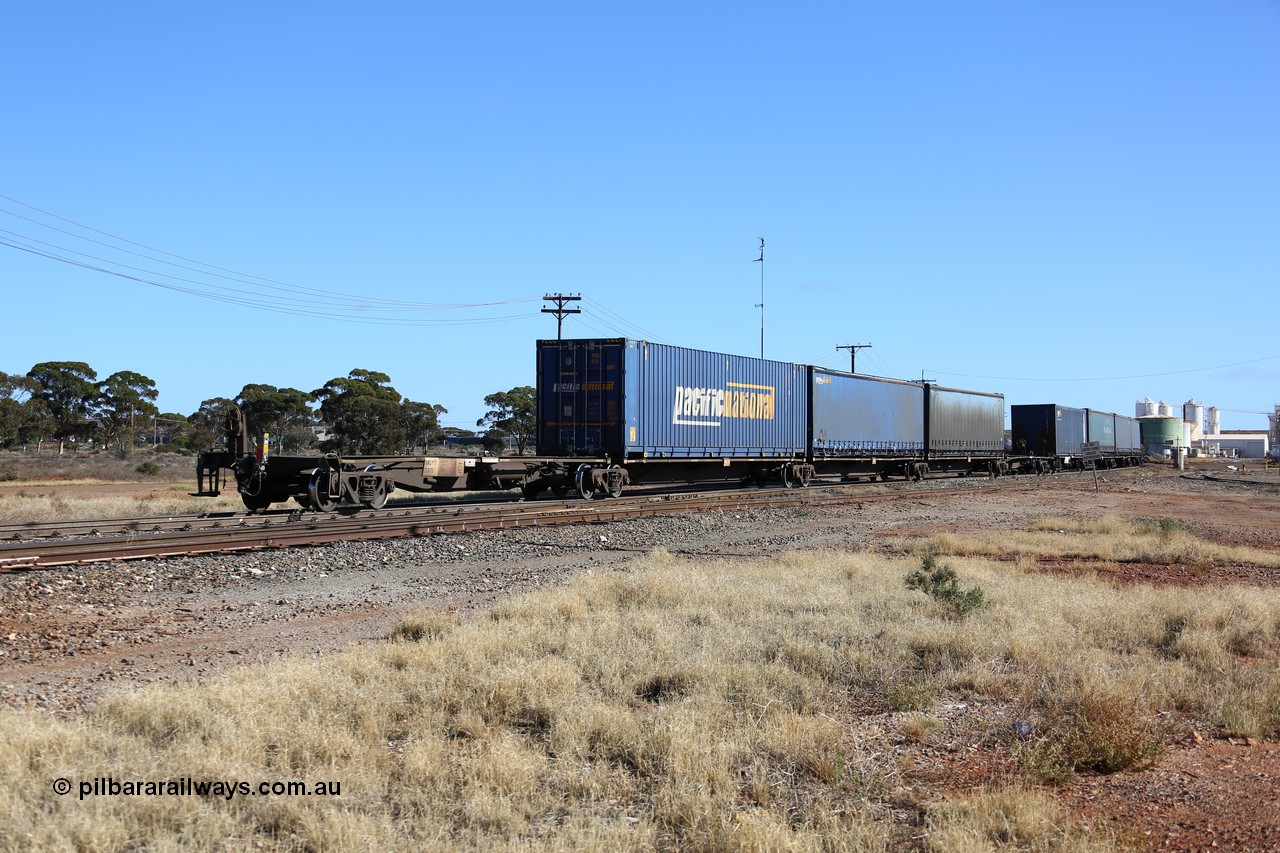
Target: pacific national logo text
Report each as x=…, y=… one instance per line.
x=710, y=406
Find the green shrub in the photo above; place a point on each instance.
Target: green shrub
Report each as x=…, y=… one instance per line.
x=148, y=468
x=1166, y=526
x=942, y=584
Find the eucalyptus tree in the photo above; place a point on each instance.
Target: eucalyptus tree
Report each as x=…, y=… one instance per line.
x=286, y=413
x=362, y=413
x=125, y=399
x=512, y=414
x=206, y=425
x=18, y=408
x=69, y=393
x=421, y=424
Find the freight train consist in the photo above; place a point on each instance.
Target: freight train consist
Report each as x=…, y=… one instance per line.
x=614, y=411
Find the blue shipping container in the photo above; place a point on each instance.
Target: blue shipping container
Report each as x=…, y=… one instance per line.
x=865, y=416
x=632, y=399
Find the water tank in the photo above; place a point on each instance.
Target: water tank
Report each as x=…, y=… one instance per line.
x=1157, y=430
x=1145, y=408
x=1215, y=421
x=1164, y=410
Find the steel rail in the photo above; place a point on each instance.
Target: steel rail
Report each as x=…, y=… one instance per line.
x=68, y=528
x=287, y=531
x=25, y=531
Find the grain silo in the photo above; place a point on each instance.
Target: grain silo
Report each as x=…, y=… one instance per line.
x=1193, y=414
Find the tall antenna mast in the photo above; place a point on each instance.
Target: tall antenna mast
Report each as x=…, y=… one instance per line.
x=760, y=261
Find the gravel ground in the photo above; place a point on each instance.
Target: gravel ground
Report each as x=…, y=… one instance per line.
x=67, y=635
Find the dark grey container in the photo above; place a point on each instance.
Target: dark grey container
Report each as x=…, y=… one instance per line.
x=964, y=423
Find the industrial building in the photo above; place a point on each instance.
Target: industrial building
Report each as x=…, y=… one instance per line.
x=1193, y=426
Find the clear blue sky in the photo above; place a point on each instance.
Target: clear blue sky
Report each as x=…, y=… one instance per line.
x=1029, y=198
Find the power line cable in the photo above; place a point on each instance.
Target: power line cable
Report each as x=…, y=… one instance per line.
x=884, y=365
x=266, y=283
x=284, y=301
x=265, y=306
x=623, y=322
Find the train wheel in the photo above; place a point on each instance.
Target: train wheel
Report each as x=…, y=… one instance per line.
x=318, y=491
x=585, y=486
x=788, y=477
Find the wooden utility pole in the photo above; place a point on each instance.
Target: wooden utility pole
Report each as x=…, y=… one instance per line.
x=853, y=354
x=560, y=311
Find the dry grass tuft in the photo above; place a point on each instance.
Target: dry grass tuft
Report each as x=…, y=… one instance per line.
x=39, y=505
x=1085, y=728
x=1164, y=542
x=678, y=705
x=1010, y=818
x=916, y=728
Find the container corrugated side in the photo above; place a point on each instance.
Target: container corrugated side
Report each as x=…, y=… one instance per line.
x=863, y=416
x=1128, y=435
x=580, y=397
x=1102, y=429
x=1047, y=429
x=1071, y=430
x=1033, y=428
x=962, y=423
x=684, y=403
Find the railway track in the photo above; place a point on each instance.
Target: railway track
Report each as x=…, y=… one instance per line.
x=172, y=536
x=144, y=525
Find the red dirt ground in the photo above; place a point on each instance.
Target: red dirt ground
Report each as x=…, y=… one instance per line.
x=1207, y=791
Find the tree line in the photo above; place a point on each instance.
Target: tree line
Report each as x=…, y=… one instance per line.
x=61, y=402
